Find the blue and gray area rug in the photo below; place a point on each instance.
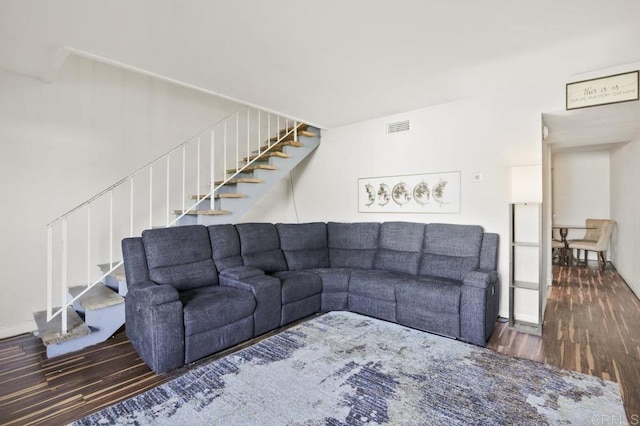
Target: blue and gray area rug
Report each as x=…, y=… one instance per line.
x=346, y=369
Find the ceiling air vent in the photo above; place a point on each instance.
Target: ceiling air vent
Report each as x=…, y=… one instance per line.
x=398, y=126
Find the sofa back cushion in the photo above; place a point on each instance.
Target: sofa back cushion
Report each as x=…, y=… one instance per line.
x=180, y=256
x=225, y=246
x=304, y=245
x=260, y=247
x=489, y=252
x=352, y=245
x=450, y=251
x=399, y=247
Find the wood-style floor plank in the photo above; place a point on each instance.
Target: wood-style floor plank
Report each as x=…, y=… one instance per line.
x=592, y=325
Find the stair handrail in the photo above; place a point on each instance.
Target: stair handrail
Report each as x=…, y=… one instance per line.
x=66, y=302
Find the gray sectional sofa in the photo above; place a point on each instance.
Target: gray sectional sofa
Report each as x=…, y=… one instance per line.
x=195, y=290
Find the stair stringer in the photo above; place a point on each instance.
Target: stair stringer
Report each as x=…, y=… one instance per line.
x=238, y=207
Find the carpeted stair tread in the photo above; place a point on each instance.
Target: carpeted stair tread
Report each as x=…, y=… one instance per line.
x=202, y=212
x=253, y=167
x=216, y=196
x=99, y=296
x=51, y=332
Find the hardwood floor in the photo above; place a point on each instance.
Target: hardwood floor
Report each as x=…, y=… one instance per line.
x=592, y=325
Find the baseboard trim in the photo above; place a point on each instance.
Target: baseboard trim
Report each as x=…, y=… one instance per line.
x=16, y=329
x=633, y=286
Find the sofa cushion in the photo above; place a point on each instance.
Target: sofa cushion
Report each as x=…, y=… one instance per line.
x=352, y=245
x=213, y=307
x=451, y=251
x=399, y=247
x=334, y=280
x=298, y=285
x=180, y=256
x=376, y=284
x=225, y=245
x=429, y=294
x=260, y=247
x=304, y=245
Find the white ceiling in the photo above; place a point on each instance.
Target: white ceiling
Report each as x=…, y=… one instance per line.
x=598, y=127
x=328, y=62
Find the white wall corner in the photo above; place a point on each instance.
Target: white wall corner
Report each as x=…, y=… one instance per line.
x=635, y=287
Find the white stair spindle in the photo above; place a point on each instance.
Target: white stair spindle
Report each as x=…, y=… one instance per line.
x=49, y=271
x=63, y=283
x=168, y=188
x=198, y=170
x=111, y=229
x=248, y=135
x=212, y=168
x=259, y=130
x=184, y=177
x=268, y=130
x=89, y=244
x=131, y=207
x=237, y=141
x=224, y=158
x=150, y=197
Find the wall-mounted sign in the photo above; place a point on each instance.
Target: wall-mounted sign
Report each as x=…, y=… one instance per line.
x=603, y=90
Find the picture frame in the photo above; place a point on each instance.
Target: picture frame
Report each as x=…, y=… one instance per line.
x=599, y=91
x=416, y=193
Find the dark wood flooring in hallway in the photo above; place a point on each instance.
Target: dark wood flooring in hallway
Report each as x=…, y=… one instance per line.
x=592, y=325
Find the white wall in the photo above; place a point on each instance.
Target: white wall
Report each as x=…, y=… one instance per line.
x=63, y=142
x=580, y=182
x=481, y=135
x=625, y=209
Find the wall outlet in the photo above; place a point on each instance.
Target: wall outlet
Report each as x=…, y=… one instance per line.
x=476, y=177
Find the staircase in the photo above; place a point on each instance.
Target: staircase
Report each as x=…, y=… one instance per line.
x=214, y=177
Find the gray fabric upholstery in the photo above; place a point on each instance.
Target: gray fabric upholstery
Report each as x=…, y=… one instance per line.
x=450, y=251
x=375, y=284
x=440, y=278
x=212, y=307
x=260, y=247
x=304, y=245
x=266, y=291
x=298, y=285
x=225, y=244
x=352, y=245
x=479, y=306
x=180, y=256
x=399, y=246
x=135, y=268
x=489, y=252
x=299, y=309
x=383, y=309
x=241, y=272
x=206, y=343
x=335, y=288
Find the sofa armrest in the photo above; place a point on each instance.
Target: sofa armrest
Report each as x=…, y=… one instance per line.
x=479, y=303
x=151, y=294
x=241, y=272
x=155, y=324
x=266, y=290
x=480, y=278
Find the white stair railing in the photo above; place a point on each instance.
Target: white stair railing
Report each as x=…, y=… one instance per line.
x=83, y=237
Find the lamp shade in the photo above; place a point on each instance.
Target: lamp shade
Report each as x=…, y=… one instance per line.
x=526, y=184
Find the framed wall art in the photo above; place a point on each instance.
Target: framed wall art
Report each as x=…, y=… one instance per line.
x=422, y=193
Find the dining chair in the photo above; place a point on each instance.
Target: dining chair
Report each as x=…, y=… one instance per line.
x=600, y=245
x=557, y=250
